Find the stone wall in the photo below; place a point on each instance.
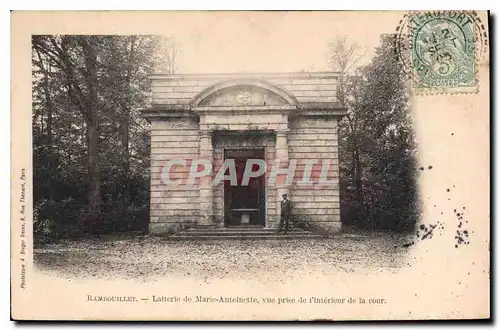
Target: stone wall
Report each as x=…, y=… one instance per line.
x=182, y=89
x=315, y=139
x=171, y=206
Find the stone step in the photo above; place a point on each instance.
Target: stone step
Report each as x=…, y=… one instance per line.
x=255, y=237
x=227, y=228
x=239, y=233
x=241, y=230
x=239, y=227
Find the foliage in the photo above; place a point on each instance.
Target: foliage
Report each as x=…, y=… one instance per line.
x=90, y=146
x=377, y=147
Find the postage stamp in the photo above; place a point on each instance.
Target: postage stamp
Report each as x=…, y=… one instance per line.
x=441, y=50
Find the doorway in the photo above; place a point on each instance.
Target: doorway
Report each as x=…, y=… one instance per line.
x=244, y=204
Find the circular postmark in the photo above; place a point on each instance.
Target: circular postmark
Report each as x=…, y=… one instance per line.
x=440, y=50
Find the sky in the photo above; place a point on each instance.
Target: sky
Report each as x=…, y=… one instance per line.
x=268, y=41
x=234, y=41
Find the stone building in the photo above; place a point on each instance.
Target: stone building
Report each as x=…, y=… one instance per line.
x=282, y=119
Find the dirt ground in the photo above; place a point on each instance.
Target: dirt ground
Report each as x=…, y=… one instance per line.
x=147, y=257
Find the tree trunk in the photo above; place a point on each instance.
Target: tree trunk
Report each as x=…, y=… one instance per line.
x=125, y=126
x=94, y=206
x=361, y=213
x=126, y=158
x=94, y=195
x=48, y=129
x=50, y=152
x=358, y=178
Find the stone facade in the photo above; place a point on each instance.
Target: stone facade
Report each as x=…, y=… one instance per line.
x=284, y=118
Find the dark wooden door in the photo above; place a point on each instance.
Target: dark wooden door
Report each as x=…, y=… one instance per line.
x=247, y=202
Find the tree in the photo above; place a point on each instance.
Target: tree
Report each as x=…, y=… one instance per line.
x=344, y=57
x=378, y=134
x=86, y=92
x=82, y=85
x=171, y=51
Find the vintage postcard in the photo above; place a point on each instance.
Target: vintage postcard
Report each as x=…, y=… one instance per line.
x=255, y=166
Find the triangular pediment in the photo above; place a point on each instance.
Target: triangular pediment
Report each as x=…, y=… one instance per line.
x=243, y=95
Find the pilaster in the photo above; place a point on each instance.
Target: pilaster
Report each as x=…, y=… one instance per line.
x=205, y=184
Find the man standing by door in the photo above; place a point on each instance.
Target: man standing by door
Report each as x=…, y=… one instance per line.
x=286, y=211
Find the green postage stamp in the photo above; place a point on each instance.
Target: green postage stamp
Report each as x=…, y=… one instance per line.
x=443, y=51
